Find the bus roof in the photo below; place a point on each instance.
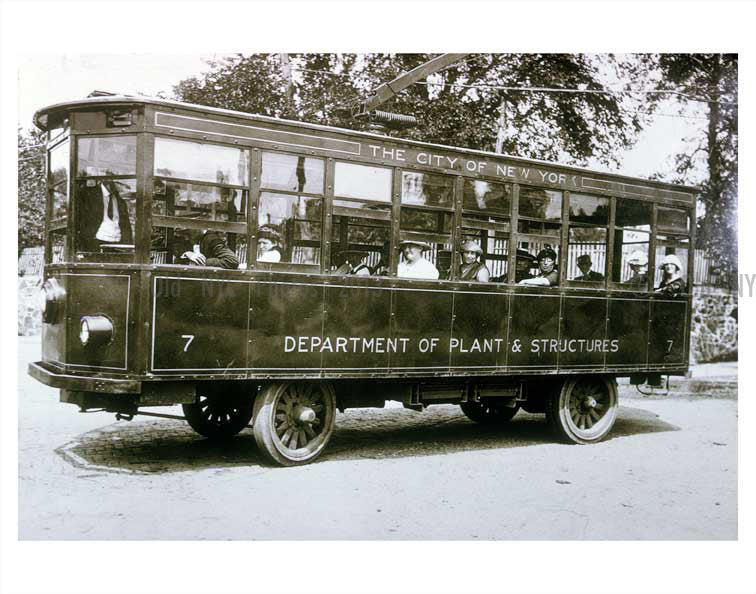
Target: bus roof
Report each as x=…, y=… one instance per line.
x=41, y=120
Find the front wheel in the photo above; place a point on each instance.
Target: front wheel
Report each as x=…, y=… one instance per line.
x=293, y=421
x=584, y=409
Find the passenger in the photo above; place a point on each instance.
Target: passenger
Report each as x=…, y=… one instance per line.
x=548, y=275
x=672, y=283
x=352, y=263
x=268, y=242
x=584, y=264
x=203, y=248
x=523, y=263
x=472, y=269
x=415, y=265
x=638, y=262
x=103, y=217
x=382, y=268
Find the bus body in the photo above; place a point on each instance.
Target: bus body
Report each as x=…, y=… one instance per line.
x=130, y=320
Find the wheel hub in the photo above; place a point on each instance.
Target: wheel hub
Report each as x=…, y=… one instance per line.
x=303, y=415
x=589, y=402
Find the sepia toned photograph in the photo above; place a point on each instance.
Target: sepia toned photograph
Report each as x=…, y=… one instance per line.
x=375, y=296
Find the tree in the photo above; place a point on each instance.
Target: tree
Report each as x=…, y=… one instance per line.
x=460, y=106
x=711, y=79
x=31, y=188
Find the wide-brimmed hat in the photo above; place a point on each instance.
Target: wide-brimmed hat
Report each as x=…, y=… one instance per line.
x=471, y=246
x=422, y=244
x=638, y=258
x=268, y=232
x=546, y=253
x=671, y=259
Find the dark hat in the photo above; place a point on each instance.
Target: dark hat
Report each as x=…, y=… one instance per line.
x=584, y=258
x=525, y=255
x=546, y=253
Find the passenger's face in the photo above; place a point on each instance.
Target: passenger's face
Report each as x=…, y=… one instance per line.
x=670, y=269
x=546, y=264
x=264, y=245
x=412, y=253
x=522, y=265
x=469, y=257
x=639, y=268
x=584, y=267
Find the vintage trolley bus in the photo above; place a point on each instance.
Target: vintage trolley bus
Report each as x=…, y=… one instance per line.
x=260, y=271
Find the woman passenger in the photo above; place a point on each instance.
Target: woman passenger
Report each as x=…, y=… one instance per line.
x=671, y=283
x=471, y=269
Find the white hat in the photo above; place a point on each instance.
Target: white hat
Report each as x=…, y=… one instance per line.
x=422, y=244
x=671, y=259
x=638, y=258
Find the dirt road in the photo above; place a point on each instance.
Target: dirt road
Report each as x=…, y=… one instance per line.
x=669, y=471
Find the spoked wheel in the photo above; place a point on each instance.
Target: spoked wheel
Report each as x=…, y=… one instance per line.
x=584, y=409
x=219, y=413
x=489, y=412
x=293, y=421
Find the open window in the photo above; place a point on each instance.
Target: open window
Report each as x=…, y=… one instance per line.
x=539, y=228
x=587, y=240
x=199, y=204
x=486, y=208
x=105, y=193
x=361, y=227
x=425, y=219
x=290, y=212
x=632, y=238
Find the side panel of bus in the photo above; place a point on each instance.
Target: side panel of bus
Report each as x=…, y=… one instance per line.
x=271, y=327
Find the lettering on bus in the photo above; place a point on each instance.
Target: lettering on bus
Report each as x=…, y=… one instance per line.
x=483, y=167
x=384, y=344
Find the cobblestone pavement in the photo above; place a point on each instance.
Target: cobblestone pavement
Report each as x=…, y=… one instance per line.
x=668, y=471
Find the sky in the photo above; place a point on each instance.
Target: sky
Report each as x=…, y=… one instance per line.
x=45, y=79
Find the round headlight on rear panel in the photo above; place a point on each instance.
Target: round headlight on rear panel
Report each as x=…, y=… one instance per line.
x=95, y=330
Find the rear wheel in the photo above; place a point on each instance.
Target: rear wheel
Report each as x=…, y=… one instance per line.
x=219, y=413
x=584, y=409
x=489, y=412
x=293, y=421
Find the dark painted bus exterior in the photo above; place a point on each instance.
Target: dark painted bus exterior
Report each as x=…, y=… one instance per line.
x=285, y=344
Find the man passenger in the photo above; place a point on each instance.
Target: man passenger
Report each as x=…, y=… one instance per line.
x=203, y=248
x=523, y=263
x=415, y=265
x=352, y=263
x=584, y=264
x=548, y=275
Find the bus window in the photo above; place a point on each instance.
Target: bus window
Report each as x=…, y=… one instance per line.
x=214, y=213
x=429, y=256
x=362, y=182
x=587, y=239
x=489, y=197
x=667, y=245
x=199, y=214
x=105, y=193
x=673, y=220
x=360, y=237
x=196, y=161
x=292, y=173
x=294, y=223
x=57, y=184
x=632, y=234
x=539, y=231
x=427, y=189
x=486, y=207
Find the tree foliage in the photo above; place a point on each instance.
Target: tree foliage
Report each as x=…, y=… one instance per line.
x=713, y=80
x=31, y=188
x=459, y=106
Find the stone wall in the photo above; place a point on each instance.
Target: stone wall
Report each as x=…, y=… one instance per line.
x=29, y=315
x=714, y=325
